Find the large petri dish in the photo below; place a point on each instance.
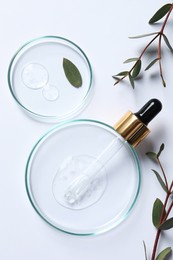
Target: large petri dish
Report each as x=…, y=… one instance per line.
x=39, y=84
x=60, y=157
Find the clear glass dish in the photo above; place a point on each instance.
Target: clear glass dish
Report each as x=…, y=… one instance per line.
x=60, y=156
x=38, y=83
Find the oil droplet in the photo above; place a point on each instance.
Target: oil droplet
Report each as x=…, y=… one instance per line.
x=35, y=76
x=50, y=92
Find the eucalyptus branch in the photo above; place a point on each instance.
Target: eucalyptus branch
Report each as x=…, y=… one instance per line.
x=161, y=210
x=135, y=70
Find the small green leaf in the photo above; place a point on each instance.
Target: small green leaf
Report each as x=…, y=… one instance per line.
x=167, y=43
x=122, y=73
x=130, y=60
x=145, y=250
x=136, y=69
x=168, y=224
x=160, y=181
x=164, y=254
x=115, y=77
x=72, y=73
x=152, y=155
x=116, y=82
x=142, y=35
x=160, y=150
x=151, y=64
x=131, y=79
x=160, y=13
x=157, y=212
x=163, y=82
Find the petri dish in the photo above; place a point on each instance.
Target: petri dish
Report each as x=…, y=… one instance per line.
x=60, y=157
x=38, y=82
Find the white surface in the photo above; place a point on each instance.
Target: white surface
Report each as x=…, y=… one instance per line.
x=101, y=29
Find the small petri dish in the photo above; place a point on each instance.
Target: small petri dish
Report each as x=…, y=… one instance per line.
x=56, y=164
x=39, y=84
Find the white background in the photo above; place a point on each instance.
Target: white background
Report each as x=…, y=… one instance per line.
x=101, y=29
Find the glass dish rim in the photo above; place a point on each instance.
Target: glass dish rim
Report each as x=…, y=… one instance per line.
x=72, y=112
x=52, y=130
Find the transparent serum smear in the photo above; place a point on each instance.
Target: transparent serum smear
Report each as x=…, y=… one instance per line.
x=81, y=184
x=67, y=175
x=50, y=92
x=35, y=76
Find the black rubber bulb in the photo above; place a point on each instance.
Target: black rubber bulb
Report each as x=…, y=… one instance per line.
x=149, y=110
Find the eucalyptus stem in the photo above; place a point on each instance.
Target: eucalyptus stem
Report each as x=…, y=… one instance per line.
x=159, y=59
x=155, y=244
x=143, y=52
x=171, y=205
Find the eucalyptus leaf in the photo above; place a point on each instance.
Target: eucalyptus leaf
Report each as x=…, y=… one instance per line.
x=163, y=82
x=130, y=60
x=142, y=35
x=131, y=79
x=116, y=82
x=164, y=254
x=136, y=69
x=160, y=13
x=168, y=224
x=160, y=150
x=151, y=64
x=152, y=155
x=167, y=43
x=122, y=73
x=72, y=73
x=115, y=77
x=160, y=181
x=157, y=212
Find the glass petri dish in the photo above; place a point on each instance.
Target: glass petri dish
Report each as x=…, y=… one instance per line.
x=38, y=83
x=57, y=162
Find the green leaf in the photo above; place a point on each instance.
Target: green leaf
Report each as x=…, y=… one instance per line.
x=136, y=69
x=168, y=224
x=130, y=60
x=160, y=181
x=160, y=150
x=115, y=77
x=72, y=73
x=131, y=79
x=122, y=73
x=167, y=43
x=163, y=82
x=164, y=254
x=116, y=82
x=142, y=35
x=157, y=212
x=145, y=250
x=151, y=64
x=152, y=155
x=160, y=13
